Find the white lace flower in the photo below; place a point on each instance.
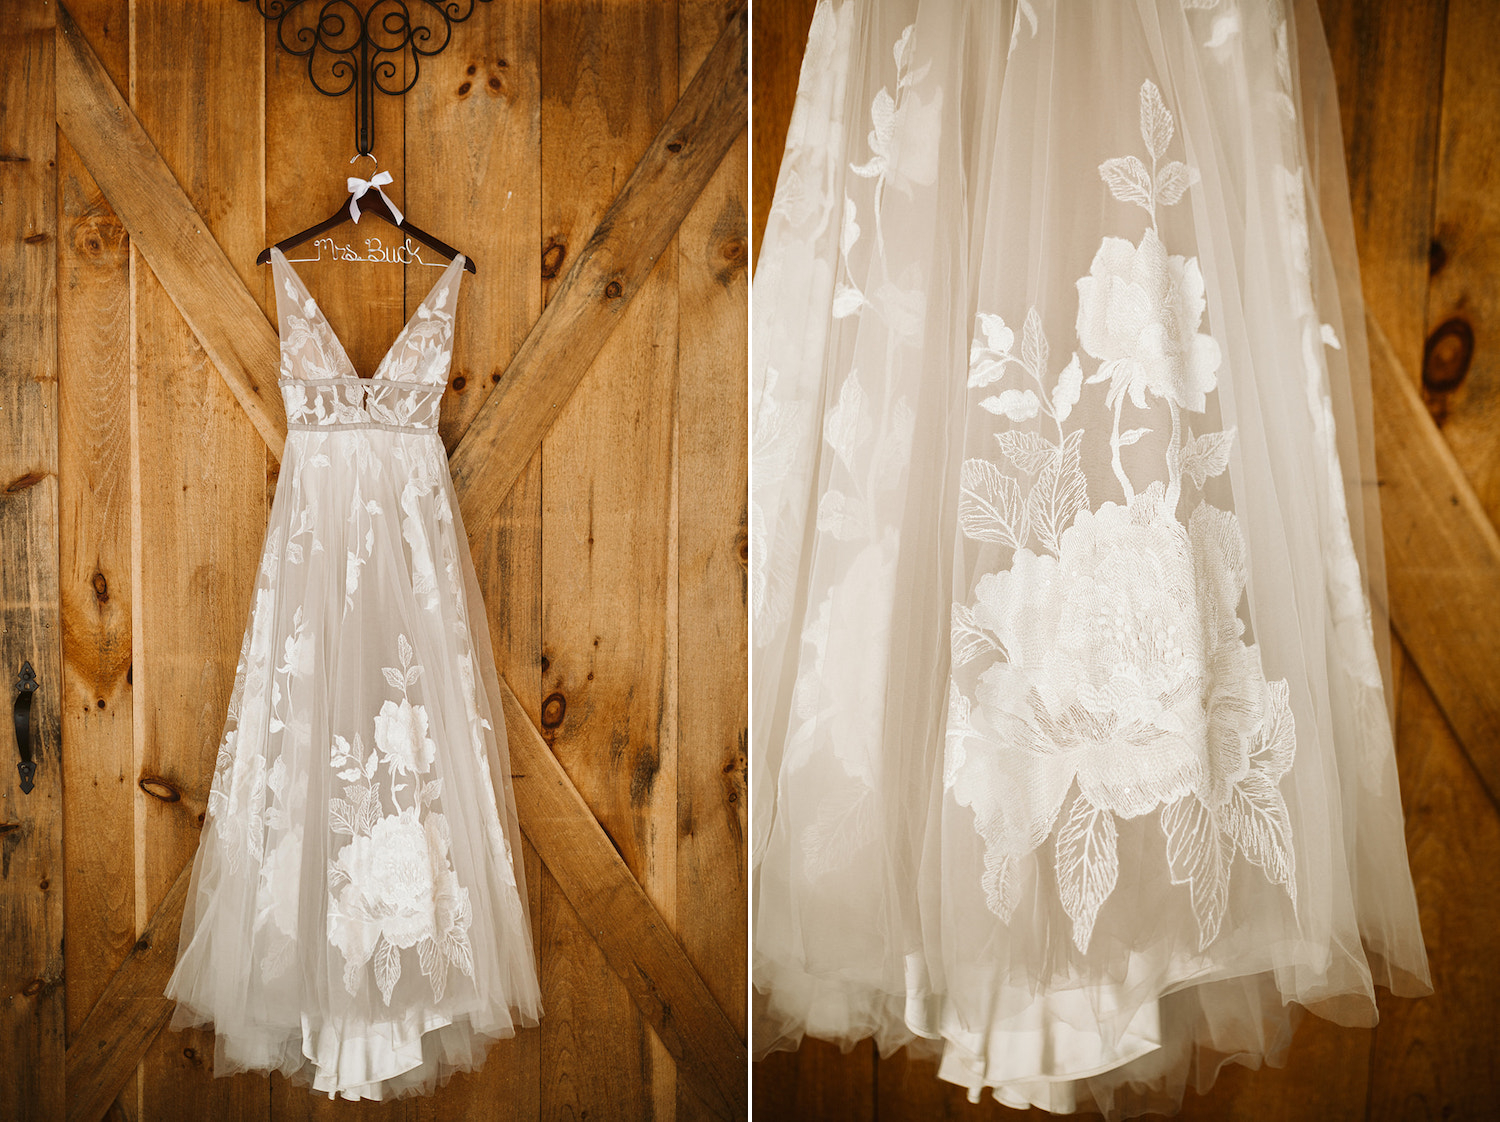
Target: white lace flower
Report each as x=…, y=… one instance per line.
x=387, y=890
x=401, y=736
x=1139, y=310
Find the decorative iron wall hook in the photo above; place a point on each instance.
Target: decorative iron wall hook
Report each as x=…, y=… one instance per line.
x=347, y=50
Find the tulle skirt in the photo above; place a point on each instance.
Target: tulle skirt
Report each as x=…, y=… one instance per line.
x=357, y=914
x=1072, y=757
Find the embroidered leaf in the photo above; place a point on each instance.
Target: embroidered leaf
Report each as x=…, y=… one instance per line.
x=840, y=516
x=371, y=764
x=341, y=817
x=997, y=337
x=387, y=967
x=989, y=505
x=456, y=941
x=1127, y=180
x=1278, y=737
x=349, y=774
x=434, y=966
x=847, y=300
x=1199, y=856
x=850, y=233
x=1130, y=436
x=984, y=368
x=431, y=791
x=1027, y=450
x=369, y=809
x=403, y=648
x=847, y=425
x=1017, y=405
x=1001, y=893
x=1156, y=120
x=413, y=673
x=955, y=755
x=1068, y=389
x=1034, y=344
x=1058, y=494
x=1206, y=456
x=845, y=825
x=1173, y=180
x=1258, y=821
x=1087, y=865
x=969, y=640
x=1331, y=337
x=394, y=678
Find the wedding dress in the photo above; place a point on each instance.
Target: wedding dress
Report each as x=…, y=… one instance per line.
x=1072, y=761
x=357, y=915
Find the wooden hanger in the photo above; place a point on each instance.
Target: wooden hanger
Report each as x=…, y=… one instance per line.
x=370, y=202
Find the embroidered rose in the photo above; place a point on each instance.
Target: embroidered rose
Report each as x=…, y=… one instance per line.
x=401, y=736
x=1139, y=310
x=386, y=890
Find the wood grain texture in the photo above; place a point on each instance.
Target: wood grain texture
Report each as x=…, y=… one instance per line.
x=168, y=230
x=817, y=1081
x=1442, y=562
x=1466, y=253
x=32, y=1001
x=607, y=610
x=780, y=31
x=607, y=271
x=128, y=1014
x=93, y=360
x=710, y=467
x=1436, y=1058
x=199, y=480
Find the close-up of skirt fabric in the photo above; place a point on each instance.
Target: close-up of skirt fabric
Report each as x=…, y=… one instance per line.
x=1071, y=738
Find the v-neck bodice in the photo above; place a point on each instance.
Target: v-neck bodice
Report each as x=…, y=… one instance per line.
x=320, y=388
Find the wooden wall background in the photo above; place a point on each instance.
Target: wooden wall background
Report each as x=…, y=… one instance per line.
x=134, y=491
x=1419, y=89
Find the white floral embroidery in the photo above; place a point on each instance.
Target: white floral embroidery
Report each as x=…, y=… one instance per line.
x=1104, y=674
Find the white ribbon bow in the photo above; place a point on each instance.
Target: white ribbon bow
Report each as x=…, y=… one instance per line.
x=358, y=187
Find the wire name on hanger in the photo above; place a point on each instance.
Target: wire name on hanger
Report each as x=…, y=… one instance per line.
x=375, y=252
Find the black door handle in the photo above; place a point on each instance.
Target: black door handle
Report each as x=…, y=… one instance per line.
x=26, y=686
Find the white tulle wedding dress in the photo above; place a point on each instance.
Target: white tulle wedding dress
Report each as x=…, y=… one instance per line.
x=357, y=916
x=1072, y=762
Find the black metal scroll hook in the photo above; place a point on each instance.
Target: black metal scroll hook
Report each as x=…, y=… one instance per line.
x=26, y=685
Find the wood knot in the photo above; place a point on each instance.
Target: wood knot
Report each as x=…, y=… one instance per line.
x=674, y=145
x=553, y=710
x=463, y=89
x=1437, y=257
x=159, y=788
x=552, y=258
x=1446, y=359
x=613, y=290
x=142, y=945
x=32, y=988
x=21, y=483
x=494, y=84
x=34, y=239
x=734, y=252
x=459, y=383
x=101, y=587
x=471, y=70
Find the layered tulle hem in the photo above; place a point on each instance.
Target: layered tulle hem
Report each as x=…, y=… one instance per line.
x=413, y=1053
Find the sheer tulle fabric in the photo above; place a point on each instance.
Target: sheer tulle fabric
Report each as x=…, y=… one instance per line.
x=1072, y=760
x=357, y=912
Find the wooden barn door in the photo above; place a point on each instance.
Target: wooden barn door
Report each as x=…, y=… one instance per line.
x=590, y=158
x=1418, y=87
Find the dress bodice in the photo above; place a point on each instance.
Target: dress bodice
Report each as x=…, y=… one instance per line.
x=321, y=389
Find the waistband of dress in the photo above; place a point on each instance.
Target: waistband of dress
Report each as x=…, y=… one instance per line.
x=368, y=383
x=344, y=426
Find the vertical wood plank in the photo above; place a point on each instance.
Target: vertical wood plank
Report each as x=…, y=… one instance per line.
x=778, y=38
x=199, y=484
x=1466, y=253
x=816, y=1081
x=711, y=472
x=609, y=78
x=1388, y=62
x=1436, y=1058
x=93, y=371
x=32, y=999
x=473, y=140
